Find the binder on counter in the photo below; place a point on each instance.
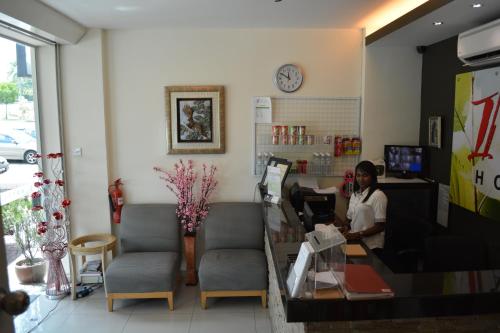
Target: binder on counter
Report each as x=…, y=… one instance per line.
x=363, y=282
x=355, y=250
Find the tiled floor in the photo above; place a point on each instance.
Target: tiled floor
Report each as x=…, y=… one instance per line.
x=89, y=314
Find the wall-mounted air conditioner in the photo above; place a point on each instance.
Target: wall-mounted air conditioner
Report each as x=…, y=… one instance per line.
x=481, y=45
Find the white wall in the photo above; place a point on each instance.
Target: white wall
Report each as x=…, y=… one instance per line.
x=391, y=103
x=142, y=62
x=83, y=106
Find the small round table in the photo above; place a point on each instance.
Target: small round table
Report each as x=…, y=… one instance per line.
x=102, y=244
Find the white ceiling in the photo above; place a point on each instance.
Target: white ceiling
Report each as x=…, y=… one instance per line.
x=457, y=16
x=140, y=14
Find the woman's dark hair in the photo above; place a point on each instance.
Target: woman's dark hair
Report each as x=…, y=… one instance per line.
x=369, y=168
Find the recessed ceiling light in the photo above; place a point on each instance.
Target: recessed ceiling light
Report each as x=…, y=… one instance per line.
x=277, y=0
x=438, y=23
x=477, y=5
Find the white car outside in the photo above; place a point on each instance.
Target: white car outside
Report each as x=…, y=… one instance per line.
x=15, y=145
x=4, y=165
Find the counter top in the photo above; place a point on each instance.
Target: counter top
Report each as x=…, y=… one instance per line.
x=416, y=295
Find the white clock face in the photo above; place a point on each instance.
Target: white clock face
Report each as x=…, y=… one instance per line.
x=288, y=78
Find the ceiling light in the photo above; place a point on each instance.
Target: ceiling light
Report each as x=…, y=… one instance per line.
x=477, y=5
x=438, y=23
x=277, y=0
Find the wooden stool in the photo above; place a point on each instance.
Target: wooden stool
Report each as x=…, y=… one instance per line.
x=104, y=243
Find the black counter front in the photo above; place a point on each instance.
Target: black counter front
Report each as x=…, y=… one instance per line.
x=416, y=295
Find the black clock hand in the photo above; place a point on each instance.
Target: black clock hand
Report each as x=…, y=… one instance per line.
x=288, y=76
x=285, y=76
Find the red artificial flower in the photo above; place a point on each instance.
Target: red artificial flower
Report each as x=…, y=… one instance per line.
x=41, y=230
x=65, y=203
x=59, y=182
x=38, y=155
x=52, y=155
x=36, y=208
x=43, y=224
x=59, y=154
x=35, y=195
x=38, y=174
x=46, y=181
x=58, y=215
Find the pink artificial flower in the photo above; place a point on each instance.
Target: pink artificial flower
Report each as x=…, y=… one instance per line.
x=57, y=215
x=65, y=203
x=38, y=174
x=46, y=181
x=38, y=184
x=59, y=182
x=35, y=195
x=38, y=155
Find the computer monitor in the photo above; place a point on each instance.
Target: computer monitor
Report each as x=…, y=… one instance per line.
x=404, y=161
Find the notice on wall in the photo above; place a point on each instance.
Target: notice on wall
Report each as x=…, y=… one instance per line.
x=443, y=204
x=262, y=108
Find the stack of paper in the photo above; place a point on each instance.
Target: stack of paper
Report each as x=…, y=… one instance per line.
x=362, y=282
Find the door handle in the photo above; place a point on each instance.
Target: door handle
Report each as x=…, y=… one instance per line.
x=14, y=303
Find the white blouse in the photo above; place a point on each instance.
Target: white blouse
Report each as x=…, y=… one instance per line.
x=364, y=215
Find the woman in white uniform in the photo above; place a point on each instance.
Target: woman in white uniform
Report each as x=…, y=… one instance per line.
x=367, y=208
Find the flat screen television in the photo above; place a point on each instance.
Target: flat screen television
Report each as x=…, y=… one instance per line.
x=404, y=161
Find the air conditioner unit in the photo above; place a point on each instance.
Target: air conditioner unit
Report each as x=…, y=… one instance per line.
x=481, y=45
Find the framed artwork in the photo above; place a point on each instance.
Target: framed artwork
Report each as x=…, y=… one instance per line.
x=435, y=132
x=195, y=119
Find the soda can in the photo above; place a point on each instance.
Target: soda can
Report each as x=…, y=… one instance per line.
x=300, y=139
x=347, y=145
x=327, y=139
x=293, y=139
x=338, y=146
x=309, y=139
x=284, y=130
x=276, y=139
x=284, y=139
x=294, y=130
x=302, y=130
x=356, y=145
x=276, y=129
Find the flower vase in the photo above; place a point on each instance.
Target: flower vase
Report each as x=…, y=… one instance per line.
x=57, y=283
x=190, y=253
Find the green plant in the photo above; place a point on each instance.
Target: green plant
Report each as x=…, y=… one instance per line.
x=17, y=216
x=8, y=93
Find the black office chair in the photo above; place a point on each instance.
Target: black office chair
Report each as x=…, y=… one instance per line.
x=404, y=242
x=455, y=253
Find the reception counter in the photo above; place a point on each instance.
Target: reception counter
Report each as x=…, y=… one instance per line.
x=423, y=301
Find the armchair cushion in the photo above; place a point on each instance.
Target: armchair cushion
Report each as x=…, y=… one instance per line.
x=234, y=225
x=236, y=269
x=142, y=272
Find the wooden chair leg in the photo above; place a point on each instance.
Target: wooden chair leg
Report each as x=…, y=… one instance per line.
x=203, y=299
x=170, y=300
x=110, y=303
x=264, y=298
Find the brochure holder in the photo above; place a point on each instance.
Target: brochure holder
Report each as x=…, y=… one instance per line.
x=329, y=258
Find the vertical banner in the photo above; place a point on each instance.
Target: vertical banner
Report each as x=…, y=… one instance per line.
x=475, y=158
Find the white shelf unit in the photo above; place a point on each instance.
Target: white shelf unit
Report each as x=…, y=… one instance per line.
x=322, y=117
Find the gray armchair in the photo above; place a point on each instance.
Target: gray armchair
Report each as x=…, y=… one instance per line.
x=151, y=254
x=234, y=262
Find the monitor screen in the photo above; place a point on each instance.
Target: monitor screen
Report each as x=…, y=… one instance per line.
x=404, y=158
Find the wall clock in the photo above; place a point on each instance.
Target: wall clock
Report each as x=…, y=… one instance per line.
x=288, y=78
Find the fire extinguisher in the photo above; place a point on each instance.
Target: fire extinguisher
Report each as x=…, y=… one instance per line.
x=116, y=199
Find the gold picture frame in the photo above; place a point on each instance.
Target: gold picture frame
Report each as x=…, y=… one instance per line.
x=195, y=119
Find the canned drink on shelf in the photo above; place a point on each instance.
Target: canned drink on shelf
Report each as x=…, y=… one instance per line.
x=356, y=145
x=347, y=145
x=300, y=139
x=327, y=139
x=284, y=130
x=302, y=130
x=276, y=129
x=294, y=130
x=293, y=139
x=338, y=146
x=284, y=139
x=310, y=139
x=276, y=139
